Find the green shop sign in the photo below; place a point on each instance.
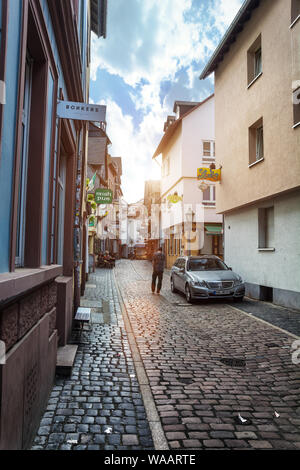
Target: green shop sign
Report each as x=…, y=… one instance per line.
x=103, y=196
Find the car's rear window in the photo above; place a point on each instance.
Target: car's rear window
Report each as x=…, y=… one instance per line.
x=206, y=264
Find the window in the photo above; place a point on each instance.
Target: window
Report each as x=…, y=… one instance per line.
x=257, y=62
x=206, y=264
x=296, y=106
x=208, y=154
x=256, y=142
x=61, y=207
x=266, y=227
x=295, y=10
x=254, y=61
x=20, y=243
x=33, y=158
x=209, y=196
x=181, y=264
x=259, y=143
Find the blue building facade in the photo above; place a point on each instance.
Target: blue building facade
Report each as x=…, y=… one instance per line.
x=44, y=57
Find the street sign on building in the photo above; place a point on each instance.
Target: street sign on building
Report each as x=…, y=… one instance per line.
x=209, y=174
x=81, y=111
x=174, y=198
x=103, y=196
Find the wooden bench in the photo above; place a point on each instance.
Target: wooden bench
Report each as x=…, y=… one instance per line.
x=83, y=315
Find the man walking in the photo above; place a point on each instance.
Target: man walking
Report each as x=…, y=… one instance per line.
x=158, y=263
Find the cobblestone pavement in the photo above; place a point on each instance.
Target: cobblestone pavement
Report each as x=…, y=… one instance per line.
x=99, y=407
x=287, y=319
x=204, y=400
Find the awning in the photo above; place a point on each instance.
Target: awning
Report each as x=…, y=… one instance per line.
x=213, y=229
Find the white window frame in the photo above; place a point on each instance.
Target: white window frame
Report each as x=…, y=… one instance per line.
x=259, y=143
x=257, y=62
x=209, y=158
x=212, y=196
x=266, y=229
x=20, y=242
x=61, y=207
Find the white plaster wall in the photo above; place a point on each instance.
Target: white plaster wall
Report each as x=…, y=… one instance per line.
x=173, y=151
x=193, y=195
x=173, y=215
x=197, y=126
x=278, y=269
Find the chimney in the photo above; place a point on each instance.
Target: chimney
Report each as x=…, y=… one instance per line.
x=169, y=121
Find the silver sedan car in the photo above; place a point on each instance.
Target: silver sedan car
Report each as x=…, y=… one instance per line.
x=205, y=277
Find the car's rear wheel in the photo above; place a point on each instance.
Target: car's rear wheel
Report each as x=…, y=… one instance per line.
x=188, y=294
x=173, y=289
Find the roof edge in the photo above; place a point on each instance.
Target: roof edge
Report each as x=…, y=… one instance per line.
x=172, y=128
x=235, y=27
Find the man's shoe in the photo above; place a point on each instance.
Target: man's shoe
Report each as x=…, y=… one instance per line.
x=158, y=292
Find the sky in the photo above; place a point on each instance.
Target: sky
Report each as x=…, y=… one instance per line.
x=152, y=55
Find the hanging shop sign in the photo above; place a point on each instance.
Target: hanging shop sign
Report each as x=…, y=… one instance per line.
x=91, y=183
x=209, y=174
x=92, y=221
x=81, y=111
x=174, y=198
x=103, y=196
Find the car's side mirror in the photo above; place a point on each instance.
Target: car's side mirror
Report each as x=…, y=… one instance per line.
x=230, y=268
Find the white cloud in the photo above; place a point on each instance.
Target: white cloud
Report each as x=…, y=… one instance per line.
x=152, y=39
x=135, y=146
x=224, y=12
x=148, y=42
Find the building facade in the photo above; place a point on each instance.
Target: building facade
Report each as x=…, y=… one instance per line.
x=257, y=70
x=189, y=221
x=97, y=177
x=44, y=57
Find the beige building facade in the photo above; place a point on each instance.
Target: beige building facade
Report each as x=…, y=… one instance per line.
x=257, y=73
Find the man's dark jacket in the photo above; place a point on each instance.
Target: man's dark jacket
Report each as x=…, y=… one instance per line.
x=158, y=262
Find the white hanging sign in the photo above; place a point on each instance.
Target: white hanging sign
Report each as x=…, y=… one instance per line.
x=81, y=111
x=2, y=92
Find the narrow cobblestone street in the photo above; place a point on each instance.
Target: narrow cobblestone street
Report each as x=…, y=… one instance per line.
x=100, y=405
x=185, y=351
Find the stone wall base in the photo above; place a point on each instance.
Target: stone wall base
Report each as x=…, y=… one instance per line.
x=26, y=379
x=283, y=297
